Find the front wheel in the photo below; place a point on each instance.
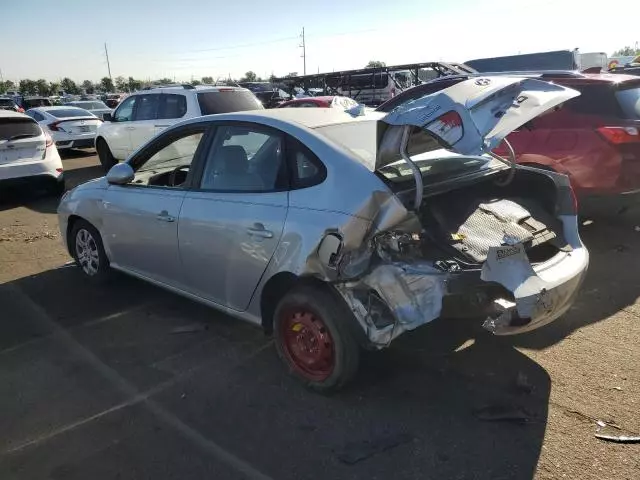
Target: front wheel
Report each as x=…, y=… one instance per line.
x=107, y=160
x=314, y=340
x=88, y=251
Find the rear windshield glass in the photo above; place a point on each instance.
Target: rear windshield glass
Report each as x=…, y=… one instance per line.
x=14, y=128
x=6, y=102
x=36, y=102
x=71, y=112
x=629, y=100
x=227, y=101
x=89, y=105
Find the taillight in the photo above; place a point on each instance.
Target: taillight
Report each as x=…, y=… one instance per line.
x=48, y=139
x=53, y=127
x=448, y=127
x=620, y=135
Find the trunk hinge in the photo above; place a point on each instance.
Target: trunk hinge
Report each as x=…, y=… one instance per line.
x=417, y=174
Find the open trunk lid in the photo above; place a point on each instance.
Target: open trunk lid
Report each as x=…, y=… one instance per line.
x=471, y=117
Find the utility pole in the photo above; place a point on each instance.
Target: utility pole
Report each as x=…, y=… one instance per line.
x=108, y=66
x=304, y=54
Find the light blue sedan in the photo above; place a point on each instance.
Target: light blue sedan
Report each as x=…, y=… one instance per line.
x=339, y=230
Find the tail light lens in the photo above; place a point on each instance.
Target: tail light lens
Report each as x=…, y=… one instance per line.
x=54, y=127
x=448, y=127
x=574, y=198
x=48, y=139
x=620, y=135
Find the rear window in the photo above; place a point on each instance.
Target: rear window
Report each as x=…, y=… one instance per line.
x=90, y=105
x=629, y=100
x=36, y=102
x=14, y=128
x=594, y=100
x=227, y=101
x=6, y=102
x=70, y=112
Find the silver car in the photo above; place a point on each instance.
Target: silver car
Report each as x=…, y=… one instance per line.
x=340, y=230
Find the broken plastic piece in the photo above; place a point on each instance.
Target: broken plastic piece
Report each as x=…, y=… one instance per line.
x=611, y=433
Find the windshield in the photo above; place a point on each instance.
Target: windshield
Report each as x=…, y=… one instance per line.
x=629, y=100
x=226, y=101
x=11, y=128
x=36, y=102
x=69, y=112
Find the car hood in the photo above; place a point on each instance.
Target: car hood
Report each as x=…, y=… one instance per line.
x=471, y=117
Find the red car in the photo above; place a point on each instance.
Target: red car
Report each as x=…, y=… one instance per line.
x=594, y=138
x=322, y=102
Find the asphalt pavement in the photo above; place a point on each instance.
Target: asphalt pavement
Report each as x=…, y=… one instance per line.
x=128, y=381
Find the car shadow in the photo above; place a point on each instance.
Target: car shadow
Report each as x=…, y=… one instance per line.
x=447, y=399
x=69, y=153
x=38, y=198
x=612, y=283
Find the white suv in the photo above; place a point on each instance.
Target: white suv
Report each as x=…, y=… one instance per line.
x=144, y=114
x=27, y=153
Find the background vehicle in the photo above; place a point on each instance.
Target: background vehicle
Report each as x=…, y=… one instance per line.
x=27, y=154
x=113, y=99
x=96, y=107
x=33, y=102
x=529, y=62
x=146, y=113
x=329, y=101
x=7, y=103
x=203, y=208
x=269, y=94
x=70, y=127
x=594, y=138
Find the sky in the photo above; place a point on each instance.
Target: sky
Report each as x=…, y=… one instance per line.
x=189, y=38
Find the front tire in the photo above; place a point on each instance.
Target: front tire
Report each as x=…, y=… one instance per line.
x=107, y=160
x=88, y=251
x=313, y=338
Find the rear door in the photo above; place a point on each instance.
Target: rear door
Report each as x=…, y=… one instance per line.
x=231, y=223
x=21, y=140
x=143, y=126
x=171, y=108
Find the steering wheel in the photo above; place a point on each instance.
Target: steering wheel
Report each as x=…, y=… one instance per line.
x=174, y=173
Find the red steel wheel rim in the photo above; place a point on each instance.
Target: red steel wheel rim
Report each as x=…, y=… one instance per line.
x=307, y=344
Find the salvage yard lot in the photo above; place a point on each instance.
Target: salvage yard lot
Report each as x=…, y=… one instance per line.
x=132, y=382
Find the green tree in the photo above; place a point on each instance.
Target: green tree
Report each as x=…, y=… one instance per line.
x=121, y=84
x=375, y=64
x=106, y=84
x=626, y=52
x=28, y=87
x=250, y=77
x=53, y=88
x=163, y=81
x=69, y=86
x=134, y=84
x=7, y=85
x=43, y=87
x=208, y=80
x=195, y=82
x=87, y=86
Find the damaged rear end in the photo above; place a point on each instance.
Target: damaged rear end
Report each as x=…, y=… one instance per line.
x=465, y=233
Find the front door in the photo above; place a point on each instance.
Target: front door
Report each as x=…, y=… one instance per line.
x=118, y=132
x=230, y=226
x=143, y=127
x=141, y=218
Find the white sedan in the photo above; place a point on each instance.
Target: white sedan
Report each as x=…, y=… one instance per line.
x=70, y=127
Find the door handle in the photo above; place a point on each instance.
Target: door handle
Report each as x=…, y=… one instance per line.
x=165, y=217
x=258, y=230
x=161, y=126
x=129, y=128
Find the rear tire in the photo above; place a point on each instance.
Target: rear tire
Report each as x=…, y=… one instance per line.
x=107, y=160
x=88, y=251
x=313, y=338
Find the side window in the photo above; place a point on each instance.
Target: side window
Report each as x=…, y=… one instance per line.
x=172, y=106
x=245, y=159
x=146, y=107
x=38, y=117
x=168, y=164
x=124, y=112
x=594, y=100
x=307, y=169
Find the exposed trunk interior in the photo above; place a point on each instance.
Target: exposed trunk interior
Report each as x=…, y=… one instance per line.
x=464, y=222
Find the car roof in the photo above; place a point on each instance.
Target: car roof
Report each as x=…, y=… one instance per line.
x=190, y=88
x=12, y=114
x=308, y=117
x=56, y=107
x=319, y=98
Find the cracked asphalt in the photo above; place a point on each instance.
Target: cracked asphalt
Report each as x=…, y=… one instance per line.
x=131, y=382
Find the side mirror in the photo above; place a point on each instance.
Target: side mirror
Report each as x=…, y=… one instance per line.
x=107, y=117
x=120, y=174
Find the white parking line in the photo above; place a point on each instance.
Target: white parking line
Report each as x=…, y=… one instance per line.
x=202, y=442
